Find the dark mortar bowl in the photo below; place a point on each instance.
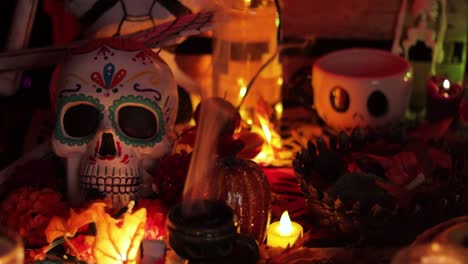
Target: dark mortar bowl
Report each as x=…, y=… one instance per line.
x=204, y=232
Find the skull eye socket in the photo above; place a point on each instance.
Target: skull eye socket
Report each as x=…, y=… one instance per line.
x=81, y=120
x=339, y=99
x=137, y=122
x=377, y=104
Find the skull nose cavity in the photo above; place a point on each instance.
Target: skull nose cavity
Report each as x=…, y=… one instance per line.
x=107, y=148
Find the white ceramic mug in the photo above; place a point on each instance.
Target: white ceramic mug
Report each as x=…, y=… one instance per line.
x=361, y=87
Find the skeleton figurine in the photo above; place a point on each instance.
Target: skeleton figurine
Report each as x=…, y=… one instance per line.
x=116, y=104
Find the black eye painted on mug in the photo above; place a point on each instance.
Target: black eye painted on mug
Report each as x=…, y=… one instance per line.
x=339, y=99
x=81, y=120
x=377, y=104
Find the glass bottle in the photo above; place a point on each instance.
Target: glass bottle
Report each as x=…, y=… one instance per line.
x=245, y=38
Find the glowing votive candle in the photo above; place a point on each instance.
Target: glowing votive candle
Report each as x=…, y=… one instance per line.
x=284, y=232
x=443, y=98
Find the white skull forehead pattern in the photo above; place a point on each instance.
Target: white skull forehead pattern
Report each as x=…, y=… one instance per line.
x=116, y=106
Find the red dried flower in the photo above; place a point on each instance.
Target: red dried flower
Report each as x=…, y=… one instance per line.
x=169, y=177
x=29, y=210
x=83, y=244
x=156, y=213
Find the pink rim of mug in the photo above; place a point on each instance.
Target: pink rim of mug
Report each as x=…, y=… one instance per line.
x=404, y=65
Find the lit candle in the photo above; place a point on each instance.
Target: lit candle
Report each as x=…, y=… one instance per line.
x=443, y=98
x=284, y=232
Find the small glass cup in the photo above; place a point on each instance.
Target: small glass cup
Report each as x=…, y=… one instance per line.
x=431, y=253
x=11, y=247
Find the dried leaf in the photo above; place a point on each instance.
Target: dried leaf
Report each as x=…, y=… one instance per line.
x=440, y=158
x=401, y=168
x=403, y=196
x=56, y=228
x=59, y=227
x=253, y=143
x=428, y=131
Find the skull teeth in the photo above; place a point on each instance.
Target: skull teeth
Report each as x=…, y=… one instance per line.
x=111, y=184
x=112, y=181
x=120, y=185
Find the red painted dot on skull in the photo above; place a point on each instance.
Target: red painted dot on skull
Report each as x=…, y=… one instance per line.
x=105, y=57
x=112, y=54
x=95, y=58
x=133, y=59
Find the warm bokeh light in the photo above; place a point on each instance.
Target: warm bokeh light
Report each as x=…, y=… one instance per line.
x=279, y=81
x=243, y=87
x=279, y=110
x=446, y=84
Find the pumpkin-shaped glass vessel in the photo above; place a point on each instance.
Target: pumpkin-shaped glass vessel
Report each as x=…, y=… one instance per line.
x=244, y=187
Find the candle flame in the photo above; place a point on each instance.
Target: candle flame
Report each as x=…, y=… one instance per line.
x=272, y=144
x=243, y=87
x=446, y=84
x=285, y=225
x=266, y=130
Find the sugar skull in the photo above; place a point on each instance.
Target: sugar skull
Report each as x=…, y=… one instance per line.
x=116, y=104
x=103, y=18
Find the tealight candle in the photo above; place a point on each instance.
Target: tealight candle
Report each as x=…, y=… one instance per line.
x=443, y=98
x=284, y=232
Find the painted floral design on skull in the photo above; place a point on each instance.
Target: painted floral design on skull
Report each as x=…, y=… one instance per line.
x=116, y=104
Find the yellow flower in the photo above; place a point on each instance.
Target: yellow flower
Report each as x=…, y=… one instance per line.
x=118, y=241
